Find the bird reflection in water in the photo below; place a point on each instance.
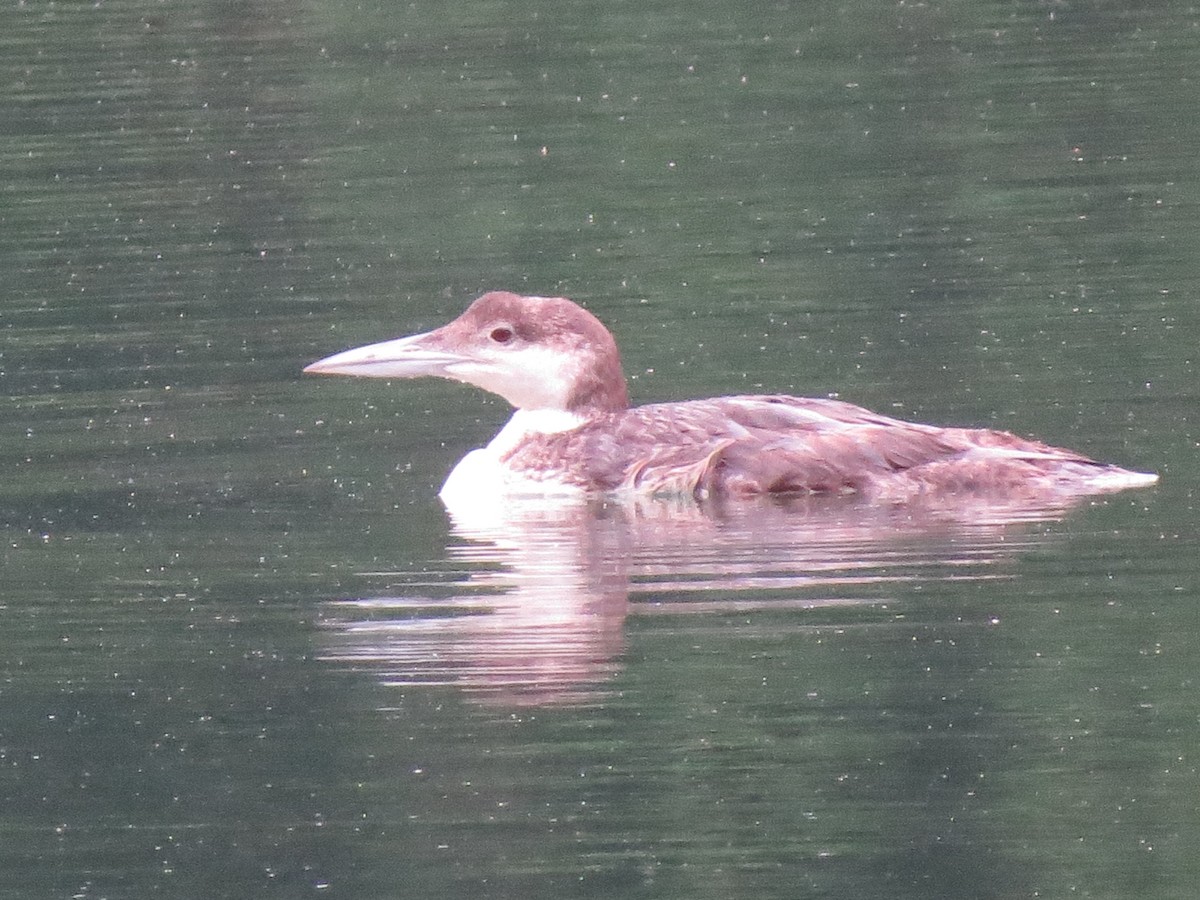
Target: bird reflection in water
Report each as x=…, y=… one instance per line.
x=539, y=615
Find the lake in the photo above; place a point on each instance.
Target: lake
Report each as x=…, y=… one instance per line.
x=248, y=653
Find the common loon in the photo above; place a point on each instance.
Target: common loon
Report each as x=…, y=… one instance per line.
x=574, y=432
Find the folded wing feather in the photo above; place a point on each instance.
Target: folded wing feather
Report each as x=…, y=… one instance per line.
x=779, y=444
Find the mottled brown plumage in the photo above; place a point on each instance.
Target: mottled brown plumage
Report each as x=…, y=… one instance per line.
x=779, y=444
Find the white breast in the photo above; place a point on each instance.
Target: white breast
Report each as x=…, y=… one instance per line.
x=482, y=473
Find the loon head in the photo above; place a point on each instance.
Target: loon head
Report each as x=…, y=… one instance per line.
x=538, y=353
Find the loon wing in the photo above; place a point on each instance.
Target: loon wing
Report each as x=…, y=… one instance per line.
x=780, y=444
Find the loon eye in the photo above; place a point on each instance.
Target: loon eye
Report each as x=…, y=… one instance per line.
x=501, y=334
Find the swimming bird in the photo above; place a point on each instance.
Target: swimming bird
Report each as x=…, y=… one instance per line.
x=573, y=430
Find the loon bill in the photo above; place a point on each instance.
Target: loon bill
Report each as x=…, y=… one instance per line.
x=573, y=430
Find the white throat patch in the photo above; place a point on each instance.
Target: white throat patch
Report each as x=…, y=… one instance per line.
x=481, y=472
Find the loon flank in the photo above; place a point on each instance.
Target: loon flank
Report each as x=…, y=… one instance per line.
x=574, y=432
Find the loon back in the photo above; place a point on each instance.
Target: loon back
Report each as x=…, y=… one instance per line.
x=574, y=431
x=777, y=444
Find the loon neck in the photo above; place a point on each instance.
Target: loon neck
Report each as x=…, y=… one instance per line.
x=525, y=423
x=596, y=392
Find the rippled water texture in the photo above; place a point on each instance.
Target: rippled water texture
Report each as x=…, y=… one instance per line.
x=247, y=653
x=541, y=615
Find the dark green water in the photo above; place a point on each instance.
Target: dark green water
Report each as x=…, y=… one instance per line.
x=244, y=652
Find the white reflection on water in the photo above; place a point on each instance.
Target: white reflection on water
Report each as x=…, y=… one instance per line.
x=539, y=613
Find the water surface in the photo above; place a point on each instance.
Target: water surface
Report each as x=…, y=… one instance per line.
x=247, y=653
